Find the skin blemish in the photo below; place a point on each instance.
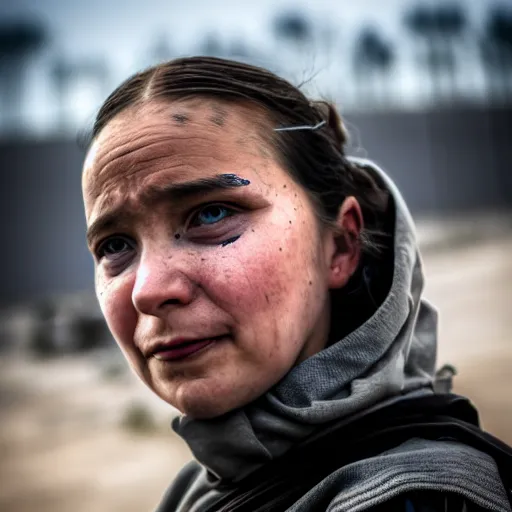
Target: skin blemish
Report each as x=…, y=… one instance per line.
x=280, y=248
x=232, y=180
x=290, y=221
x=177, y=236
x=310, y=283
x=180, y=119
x=203, y=259
x=267, y=299
x=219, y=115
x=230, y=240
x=284, y=186
x=219, y=121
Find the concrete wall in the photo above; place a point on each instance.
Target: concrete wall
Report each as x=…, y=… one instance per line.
x=443, y=161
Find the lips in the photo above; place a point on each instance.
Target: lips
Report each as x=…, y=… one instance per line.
x=182, y=349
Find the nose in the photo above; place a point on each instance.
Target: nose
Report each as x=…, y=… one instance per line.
x=161, y=282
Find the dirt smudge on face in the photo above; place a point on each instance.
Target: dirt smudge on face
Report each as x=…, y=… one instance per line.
x=219, y=115
x=180, y=118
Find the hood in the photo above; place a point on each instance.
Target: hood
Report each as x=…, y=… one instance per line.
x=392, y=353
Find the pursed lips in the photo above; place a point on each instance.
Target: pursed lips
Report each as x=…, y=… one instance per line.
x=180, y=344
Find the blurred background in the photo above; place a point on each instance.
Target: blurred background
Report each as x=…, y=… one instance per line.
x=425, y=88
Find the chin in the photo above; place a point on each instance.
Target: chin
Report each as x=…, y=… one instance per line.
x=203, y=409
x=204, y=404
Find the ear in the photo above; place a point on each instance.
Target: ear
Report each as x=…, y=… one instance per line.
x=346, y=246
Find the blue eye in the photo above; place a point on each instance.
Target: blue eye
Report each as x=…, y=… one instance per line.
x=211, y=214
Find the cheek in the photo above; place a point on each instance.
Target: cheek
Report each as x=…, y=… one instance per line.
x=116, y=304
x=265, y=280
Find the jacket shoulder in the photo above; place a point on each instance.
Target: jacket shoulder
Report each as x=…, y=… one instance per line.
x=428, y=501
x=421, y=472
x=179, y=487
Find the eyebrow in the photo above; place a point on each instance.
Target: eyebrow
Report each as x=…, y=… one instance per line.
x=155, y=194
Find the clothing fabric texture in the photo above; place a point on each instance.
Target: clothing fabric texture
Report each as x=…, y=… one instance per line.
x=391, y=355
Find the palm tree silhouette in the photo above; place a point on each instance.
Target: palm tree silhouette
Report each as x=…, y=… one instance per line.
x=160, y=51
x=372, y=61
x=496, y=53
x=438, y=29
x=61, y=75
x=293, y=27
x=211, y=46
x=451, y=24
x=66, y=74
x=19, y=41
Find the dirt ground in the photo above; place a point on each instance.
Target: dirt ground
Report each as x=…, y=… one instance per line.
x=472, y=288
x=64, y=443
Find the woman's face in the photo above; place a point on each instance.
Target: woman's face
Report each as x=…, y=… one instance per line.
x=211, y=269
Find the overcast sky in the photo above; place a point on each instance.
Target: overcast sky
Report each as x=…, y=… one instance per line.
x=122, y=34
x=126, y=26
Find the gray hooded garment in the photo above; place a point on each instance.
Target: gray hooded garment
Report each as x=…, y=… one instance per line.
x=391, y=355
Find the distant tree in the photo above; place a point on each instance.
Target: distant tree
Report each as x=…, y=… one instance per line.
x=422, y=23
x=451, y=24
x=239, y=50
x=211, y=46
x=19, y=42
x=439, y=29
x=496, y=52
x=61, y=75
x=67, y=74
x=293, y=27
x=372, y=61
x=160, y=51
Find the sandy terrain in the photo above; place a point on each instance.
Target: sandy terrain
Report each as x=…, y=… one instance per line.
x=63, y=445
x=472, y=288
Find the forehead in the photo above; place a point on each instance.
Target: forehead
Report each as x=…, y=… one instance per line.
x=178, y=141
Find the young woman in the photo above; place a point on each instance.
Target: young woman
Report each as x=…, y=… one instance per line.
x=269, y=288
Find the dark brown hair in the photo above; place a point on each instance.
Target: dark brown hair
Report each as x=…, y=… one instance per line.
x=314, y=158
